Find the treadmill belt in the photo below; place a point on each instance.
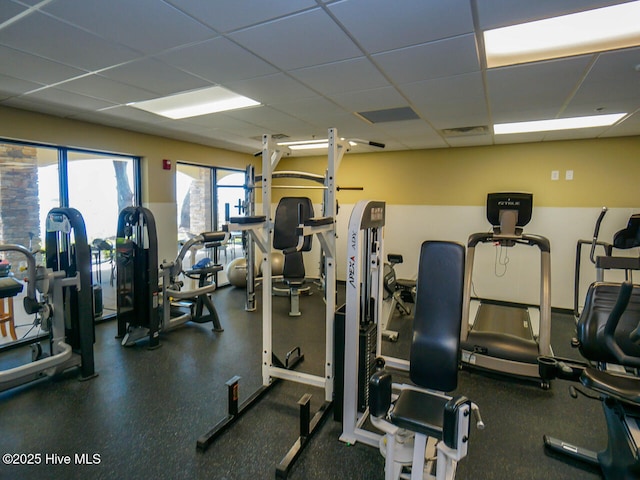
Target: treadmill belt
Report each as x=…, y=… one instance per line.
x=503, y=319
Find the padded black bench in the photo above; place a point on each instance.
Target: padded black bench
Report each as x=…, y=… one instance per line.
x=433, y=365
x=248, y=220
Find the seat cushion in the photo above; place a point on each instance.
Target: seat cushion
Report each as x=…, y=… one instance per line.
x=419, y=412
x=9, y=287
x=621, y=387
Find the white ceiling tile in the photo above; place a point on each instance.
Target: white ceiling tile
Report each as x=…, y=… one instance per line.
x=373, y=99
x=421, y=143
x=30, y=3
x=340, y=77
x=612, y=86
x=9, y=9
x=218, y=121
x=37, y=69
x=145, y=25
x=218, y=60
x=271, y=88
x=350, y=126
x=450, y=102
x=10, y=86
x=119, y=121
x=297, y=41
x=155, y=76
x=58, y=103
x=100, y=87
x=441, y=58
x=315, y=110
x=271, y=120
x=44, y=36
x=517, y=92
x=68, y=99
x=470, y=141
x=629, y=126
x=229, y=15
x=380, y=25
x=406, y=129
x=126, y=114
x=36, y=105
x=313, y=63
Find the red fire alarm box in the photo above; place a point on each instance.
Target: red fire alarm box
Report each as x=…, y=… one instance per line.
x=166, y=164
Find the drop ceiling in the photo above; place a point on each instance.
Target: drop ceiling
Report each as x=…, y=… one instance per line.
x=311, y=63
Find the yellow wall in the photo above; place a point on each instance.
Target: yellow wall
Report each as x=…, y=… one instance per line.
x=606, y=172
x=158, y=185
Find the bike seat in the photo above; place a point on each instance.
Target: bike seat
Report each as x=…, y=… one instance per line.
x=621, y=387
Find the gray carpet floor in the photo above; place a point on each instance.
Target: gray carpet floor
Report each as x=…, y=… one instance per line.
x=141, y=417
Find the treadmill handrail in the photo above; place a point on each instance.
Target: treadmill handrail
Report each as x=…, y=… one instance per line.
x=539, y=241
x=544, y=332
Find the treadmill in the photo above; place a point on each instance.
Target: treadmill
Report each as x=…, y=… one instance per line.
x=501, y=338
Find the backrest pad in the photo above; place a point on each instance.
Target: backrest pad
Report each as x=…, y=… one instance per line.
x=435, y=347
x=601, y=297
x=286, y=221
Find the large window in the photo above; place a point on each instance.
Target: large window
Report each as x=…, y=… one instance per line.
x=203, y=195
x=100, y=186
x=33, y=180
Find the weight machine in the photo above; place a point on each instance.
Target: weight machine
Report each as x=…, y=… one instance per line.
x=254, y=182
x=65, y=308
x=260, y=230
x=145, y=307
x=423, y=420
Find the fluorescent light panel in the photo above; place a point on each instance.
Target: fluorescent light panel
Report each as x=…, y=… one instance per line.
x=196, y=102
x=305, y=144
x=557, y=124
x=309, y=144
x=597, y=30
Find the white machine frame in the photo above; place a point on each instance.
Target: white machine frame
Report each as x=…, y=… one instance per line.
x=262, y=234
x=365, y=274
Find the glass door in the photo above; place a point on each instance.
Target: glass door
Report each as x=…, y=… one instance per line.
x=99, y=187
x=230, y=197
x=203, y=194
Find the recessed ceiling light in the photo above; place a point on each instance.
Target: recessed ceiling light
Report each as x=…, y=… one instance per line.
x=557, y=124
x=305, y=144
x=310, y=144
x=195, y=102
x=607, y=28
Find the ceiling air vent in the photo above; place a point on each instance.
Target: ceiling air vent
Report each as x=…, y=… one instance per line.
x=275, y=136
x=465, y=131
x=389, y=115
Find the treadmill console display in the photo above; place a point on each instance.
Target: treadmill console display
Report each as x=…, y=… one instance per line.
x=521, y=203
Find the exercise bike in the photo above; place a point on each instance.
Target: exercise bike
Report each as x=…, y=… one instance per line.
x=397, y=294
x=608, y=334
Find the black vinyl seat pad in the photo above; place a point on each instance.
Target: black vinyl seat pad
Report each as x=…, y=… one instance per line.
x=419, y=412
x=9, y=287
x=621, y=387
